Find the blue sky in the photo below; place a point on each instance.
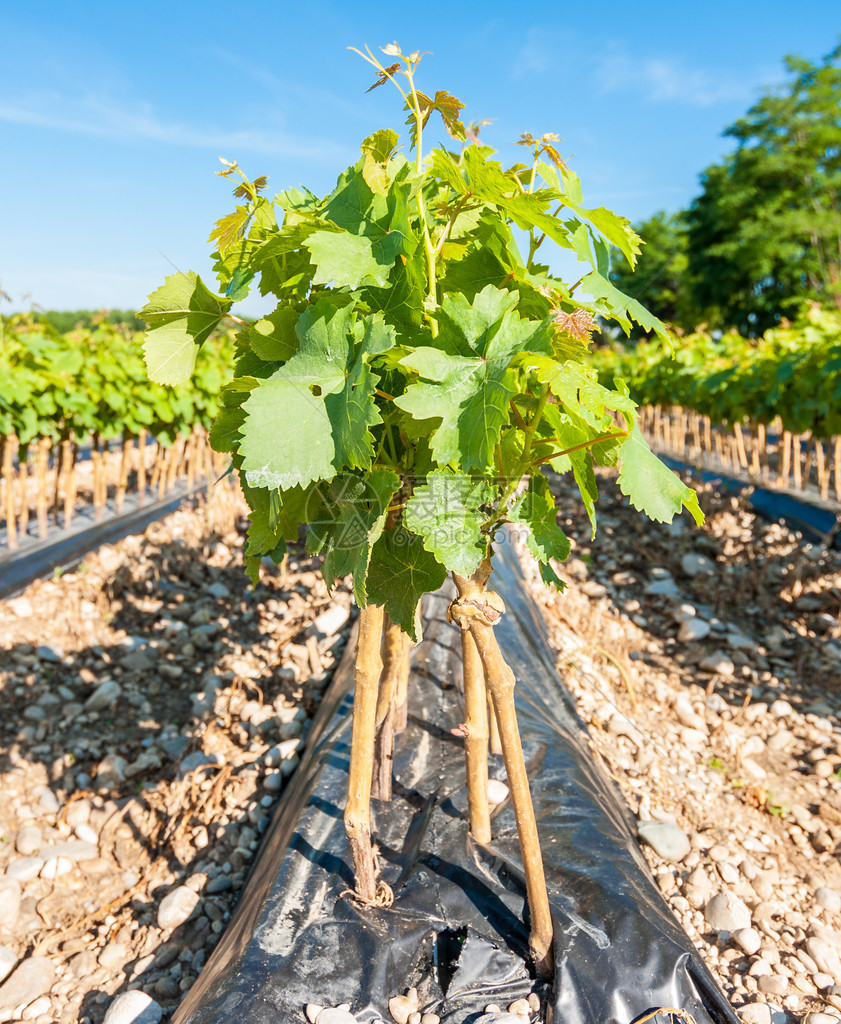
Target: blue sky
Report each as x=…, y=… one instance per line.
x=113, y=116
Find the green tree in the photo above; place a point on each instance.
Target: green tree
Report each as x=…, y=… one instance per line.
x=659, y=280
x=765, y=233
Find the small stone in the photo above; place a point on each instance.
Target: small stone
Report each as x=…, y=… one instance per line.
x=823, y=1018
x=111, y=771
x=401, y=1006
x=828, y=899
x=312, y=1010
x=31, y=979
x=718, y=664
x=692, y=630
x=430, y=1018
x=593, y=589
x=55, y=867
x=697, y=565
x=177, y=906
x=114, y=956
x=781, y=709
x=47, y=800
x=725, y=912
x=29, y=840
x=823, y=768
x=755, y=1013
x=24, y=869
x=534, y=1001
x=218, y=590
x=7, y=962
x=39, y=1006
x=497, y=791
x=9, y=901
x=520, y=1007
x=773, y=985
x=666, y=839
x=133, y=1007
x=104, y=696
x=747, y=939
x=335, y=1015
x=50, y=653
x=331, y=621
x=825, y=957
x=20, y=607
x=166, y=988
x=497, y=1017
x=87, y=835
x=663, y=588
x=414, y=1018
x=493, y=1008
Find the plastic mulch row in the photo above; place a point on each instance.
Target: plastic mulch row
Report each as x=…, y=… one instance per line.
x=456, y=927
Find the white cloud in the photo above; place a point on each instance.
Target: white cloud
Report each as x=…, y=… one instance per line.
x=670, y=80
x=92, y=117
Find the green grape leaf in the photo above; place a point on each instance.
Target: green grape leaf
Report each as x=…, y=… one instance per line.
x=273, y=338
x=312, y=416
x=612, y=303
x=546, y=540
x=448, y=512
x=224, y=434
x=349, y=520
x=470, y=393
x=652, y=487
x=400, y=572
x=346, y=260
x=181, y=315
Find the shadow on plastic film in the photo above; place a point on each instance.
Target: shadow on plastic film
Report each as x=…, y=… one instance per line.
x=457, y=929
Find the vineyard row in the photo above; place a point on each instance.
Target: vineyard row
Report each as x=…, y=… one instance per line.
x=770, y=454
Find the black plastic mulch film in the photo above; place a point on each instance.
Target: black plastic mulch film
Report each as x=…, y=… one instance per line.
x=456, y=927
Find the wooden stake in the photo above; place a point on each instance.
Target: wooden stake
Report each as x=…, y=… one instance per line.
x=9, y=444
x=784, y=469
x=23, y=475
x=43, y=455
x=70, y=484
x=395, y=647
x=796, y=455
x=822, y=469
x=740, y=445
x=96, y=459
x=122, y=478
x=357, y=815
x=141, y=467
x=837, y=460
x=476, y=738
x=478, y=609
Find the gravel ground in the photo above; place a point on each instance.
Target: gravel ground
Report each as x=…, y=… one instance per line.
x=153, y=707
x=152, y=710
x=707, y=666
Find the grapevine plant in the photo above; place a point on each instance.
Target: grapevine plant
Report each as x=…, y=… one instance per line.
x=404, y=399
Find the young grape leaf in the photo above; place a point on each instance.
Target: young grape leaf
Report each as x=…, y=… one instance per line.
x=546, y=540
x=652, y=487
x=447, y=512
x=310, y=418
x=470, y=393
x=401, y=571
x=181, y=314
x=343, y=259
x=273, y=338
x=348, y=522
x=620, y=307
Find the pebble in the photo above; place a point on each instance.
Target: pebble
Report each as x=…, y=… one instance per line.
x=828, y=899
x=31, y=979
x=822, y=1018
x=47, y=800
x=25, y=868
x=773, y=985
x=312, y=1010
x=104, y=696
x=50, y=653
x=113, y=956
x=693, y=630
x=177, y=906
x=725, y=912
x=430, y=1018
x=9, y=901
x=520, y=1007
x=755, y=1013
x=747, y=939
x=401, y=1006
x=697, y=565
x=663, y=588
x=498, y=1018
x=55, y=867
x=825, y=957
x=335, y=1015
x=331, y=621
x=133, y=1007
x=497, y=791
x=7, y=962
x=718, y=664
x=29, y=840
x=666, y=839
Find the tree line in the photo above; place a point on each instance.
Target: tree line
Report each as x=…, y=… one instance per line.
x=765, y=232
